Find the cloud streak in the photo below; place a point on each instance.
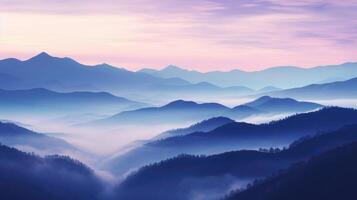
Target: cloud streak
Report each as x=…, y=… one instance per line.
x=202, y=34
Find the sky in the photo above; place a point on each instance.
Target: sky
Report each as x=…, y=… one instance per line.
x=200, y=35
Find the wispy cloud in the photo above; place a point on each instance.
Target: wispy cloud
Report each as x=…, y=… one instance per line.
x=201, y=34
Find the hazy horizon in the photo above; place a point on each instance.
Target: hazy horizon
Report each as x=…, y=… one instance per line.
x=203, y=35
x=170, y=65
x=178, y=99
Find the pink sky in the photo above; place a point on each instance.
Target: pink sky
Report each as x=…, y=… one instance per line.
x=202, y=34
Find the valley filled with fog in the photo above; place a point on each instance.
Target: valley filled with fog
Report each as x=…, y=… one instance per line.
x=133, y=133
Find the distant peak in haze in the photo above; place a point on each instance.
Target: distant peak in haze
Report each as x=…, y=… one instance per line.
x=180, y=103
x=43, y=53
x=265, y=99
x=269, y=89
x=41, y=56
x=172, y=68
x=108, y=66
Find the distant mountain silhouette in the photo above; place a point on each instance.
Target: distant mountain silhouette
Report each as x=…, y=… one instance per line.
x=264, y=78
x=67, y=75
x=26, y=176
x=281, y=105
x=175, y=112
x=269, y=89
x=14, y=135
x=41, y=100
x=329, y=176
x=203, y=126
x=235, y=136
x=183, y=176
x=188, y=111
x=243, y=111
x=205, y=88
x=334, y=90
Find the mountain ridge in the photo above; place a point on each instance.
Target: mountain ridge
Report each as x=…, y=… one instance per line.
x=190, y=111
x=334, y=90
x=243, y=164
x=265, y=77
x=235, y=136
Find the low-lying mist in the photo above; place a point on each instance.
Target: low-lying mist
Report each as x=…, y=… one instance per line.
x=100, y=143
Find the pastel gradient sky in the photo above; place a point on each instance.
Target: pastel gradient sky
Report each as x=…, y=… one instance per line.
x=194, y=34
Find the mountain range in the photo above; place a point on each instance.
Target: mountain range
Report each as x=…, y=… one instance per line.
x=203, y=126
x=292, y=76
x=212, y=176
x=336, y=90
x=235, y=136
x=67, y=75
x=181, y=111
x=40, y=100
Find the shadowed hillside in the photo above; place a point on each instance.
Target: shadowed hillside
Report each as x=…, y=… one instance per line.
x=236, y=136
x=26, y=176
x=183, y=176
x=203, y=126
x=329, y=176
x=13, y=135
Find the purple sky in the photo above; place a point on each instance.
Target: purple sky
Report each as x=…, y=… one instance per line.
x=195, y=34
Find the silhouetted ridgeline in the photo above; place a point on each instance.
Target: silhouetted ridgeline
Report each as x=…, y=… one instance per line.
x=40, y=100
x=26, y=176
x=259, y=79
x=235, y=136
x=43, y=70
x=175, y=112
x=334, y=90
x=281, y=132
x=281, y=105
x=13, y=135
x=330, y=176
x=203, y=126
x=188, y=111
x=184, y=176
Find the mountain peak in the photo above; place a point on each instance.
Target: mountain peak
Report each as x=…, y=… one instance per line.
x=172, y=68
x=180, y=103
x=264, y=98
x=269, y=89
x=259, y=101
x=41, y=56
